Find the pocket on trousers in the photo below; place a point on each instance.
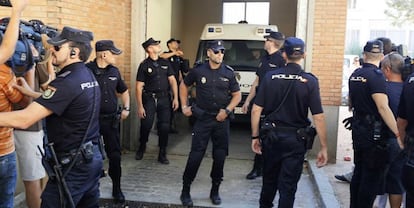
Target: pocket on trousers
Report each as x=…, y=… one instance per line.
x=378, y=156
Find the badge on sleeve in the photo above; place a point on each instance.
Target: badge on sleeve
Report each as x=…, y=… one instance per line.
x=49, y=92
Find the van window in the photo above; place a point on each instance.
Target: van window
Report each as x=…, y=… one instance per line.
x=242, y=55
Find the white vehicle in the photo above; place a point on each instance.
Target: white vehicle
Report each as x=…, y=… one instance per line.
x=244, y=48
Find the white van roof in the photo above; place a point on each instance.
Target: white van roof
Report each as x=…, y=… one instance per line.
x=236, y=31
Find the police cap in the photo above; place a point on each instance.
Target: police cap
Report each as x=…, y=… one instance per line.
x=294, y=46
x=71, y=34
x=374, y=46
x=215, y=45
x=149, y=42
x=275, y=35
x=107, y=45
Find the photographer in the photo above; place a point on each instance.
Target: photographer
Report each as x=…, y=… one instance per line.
x=8, y=96
x=284, y=97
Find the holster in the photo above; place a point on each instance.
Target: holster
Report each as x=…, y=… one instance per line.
x=117, y=118
x=308, y=135
x=267, y=133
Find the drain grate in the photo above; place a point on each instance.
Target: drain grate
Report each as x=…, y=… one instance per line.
x=108, y=203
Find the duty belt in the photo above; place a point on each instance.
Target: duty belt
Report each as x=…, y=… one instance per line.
x=67, y=157
x=107, y=116
x=157, y=94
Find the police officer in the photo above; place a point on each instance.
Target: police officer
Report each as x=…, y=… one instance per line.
x=283, y=156
x=271, y=61
x=405, y=122
x=371, y=117
x=179, y=64
x=111, y=84
x=155, y=80
x=218, y=93
x=71, y=105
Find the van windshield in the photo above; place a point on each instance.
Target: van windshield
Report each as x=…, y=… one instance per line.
x=242, y=55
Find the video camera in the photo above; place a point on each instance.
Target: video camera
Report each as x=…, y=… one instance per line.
x=30, y=34
x=5, y=3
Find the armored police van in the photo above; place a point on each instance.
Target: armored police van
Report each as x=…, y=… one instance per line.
x=244, y=48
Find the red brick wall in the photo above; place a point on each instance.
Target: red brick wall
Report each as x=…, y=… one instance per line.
x=106, y=19
x=328, y=48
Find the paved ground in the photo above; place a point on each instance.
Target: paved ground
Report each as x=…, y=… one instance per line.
x=149, y=181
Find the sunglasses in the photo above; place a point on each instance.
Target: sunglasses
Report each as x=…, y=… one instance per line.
x=218, y=51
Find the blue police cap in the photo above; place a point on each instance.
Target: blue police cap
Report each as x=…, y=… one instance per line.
x=215, y=45
x=275, y=35
x=149, y=42
x=71, y=34
x=294, y=46
x=107, y=45
x=374, y=46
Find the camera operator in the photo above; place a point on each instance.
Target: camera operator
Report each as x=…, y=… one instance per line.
x=71, y=107
x=9, y=95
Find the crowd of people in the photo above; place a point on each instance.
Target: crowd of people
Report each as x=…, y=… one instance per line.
x=67, y=110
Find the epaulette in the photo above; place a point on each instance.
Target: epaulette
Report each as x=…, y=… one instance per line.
x=64, y=74
x=229, y=67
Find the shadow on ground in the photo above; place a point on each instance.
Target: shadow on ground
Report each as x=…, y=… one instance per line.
x=108, y=203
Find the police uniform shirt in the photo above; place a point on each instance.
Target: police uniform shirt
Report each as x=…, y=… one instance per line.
x=155, y=75
x=110, y=83
x=270, y=62
x=406, y=107
x=303, y=95
x=213, y=86
x=175, y=62
x=363, y=83
x=70, y=97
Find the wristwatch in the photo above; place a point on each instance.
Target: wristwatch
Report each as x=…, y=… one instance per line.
x=126, y=109
x=255, y=137
x=227, y=111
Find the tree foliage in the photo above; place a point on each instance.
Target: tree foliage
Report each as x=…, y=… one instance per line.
x=400, y=11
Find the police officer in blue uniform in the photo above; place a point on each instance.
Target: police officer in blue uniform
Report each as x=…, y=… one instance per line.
x=111, y=84
x=155, y=80
x=405, y=122
x=218, y=93
x=271, y=61
x=283, y=153
x=372, y=117
x=68, y=104
x=180, y=66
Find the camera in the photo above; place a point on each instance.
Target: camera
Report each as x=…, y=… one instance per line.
x=30, y=34
x=5, y=3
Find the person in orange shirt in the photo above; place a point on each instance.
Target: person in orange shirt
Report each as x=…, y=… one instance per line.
x=9, y=95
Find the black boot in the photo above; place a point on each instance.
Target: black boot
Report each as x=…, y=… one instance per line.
x=214, y=193
x=140, y=152
x=257, y=168
x=185, y=195
x=117, y=193
x=162, y=156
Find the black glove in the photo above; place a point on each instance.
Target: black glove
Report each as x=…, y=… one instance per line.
x=348, y=123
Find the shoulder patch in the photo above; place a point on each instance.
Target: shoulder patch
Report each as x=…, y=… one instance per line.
x=49, y=92
x=229, y=68
x=64, y=74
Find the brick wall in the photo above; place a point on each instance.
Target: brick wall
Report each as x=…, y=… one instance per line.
x=328, y=48
x=106, y=19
